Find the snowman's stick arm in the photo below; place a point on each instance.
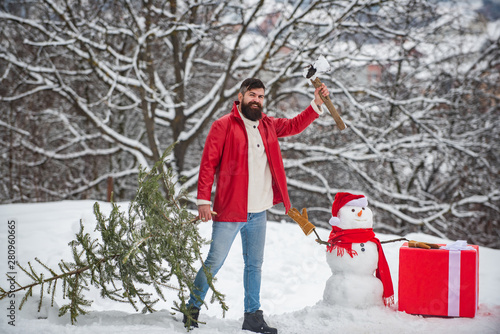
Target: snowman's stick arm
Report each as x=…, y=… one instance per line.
x=414, y=244
x=393, y=240
x=319, y=241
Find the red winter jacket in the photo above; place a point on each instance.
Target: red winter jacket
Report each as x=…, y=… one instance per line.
x=226, y=156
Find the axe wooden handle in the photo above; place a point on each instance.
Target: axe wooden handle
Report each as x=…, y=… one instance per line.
x=326, y=99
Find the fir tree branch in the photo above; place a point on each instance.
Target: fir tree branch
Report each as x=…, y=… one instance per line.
x=78, y=271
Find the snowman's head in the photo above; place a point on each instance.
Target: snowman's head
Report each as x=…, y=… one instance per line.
x=351, y=211
x=355, y=217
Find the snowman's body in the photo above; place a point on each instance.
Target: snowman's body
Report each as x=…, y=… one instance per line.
x=353, y=282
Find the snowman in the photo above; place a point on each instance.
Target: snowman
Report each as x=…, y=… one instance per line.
x=360, y=273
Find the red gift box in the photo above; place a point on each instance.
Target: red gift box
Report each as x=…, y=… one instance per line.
x=439, y=282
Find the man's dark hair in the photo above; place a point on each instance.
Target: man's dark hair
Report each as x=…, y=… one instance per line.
x=251, y=83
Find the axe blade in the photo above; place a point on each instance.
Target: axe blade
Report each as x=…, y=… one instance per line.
x=321, y=65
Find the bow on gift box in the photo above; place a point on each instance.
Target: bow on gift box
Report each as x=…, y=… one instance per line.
x=458, y=245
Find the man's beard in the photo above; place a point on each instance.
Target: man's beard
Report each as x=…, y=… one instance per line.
x=252, y=110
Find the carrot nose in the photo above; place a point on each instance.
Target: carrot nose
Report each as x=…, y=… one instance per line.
x=360, y=213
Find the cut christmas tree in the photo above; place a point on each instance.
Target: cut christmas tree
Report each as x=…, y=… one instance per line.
x=154, y=244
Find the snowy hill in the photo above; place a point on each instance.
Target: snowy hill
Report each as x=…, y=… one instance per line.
x=294, y=277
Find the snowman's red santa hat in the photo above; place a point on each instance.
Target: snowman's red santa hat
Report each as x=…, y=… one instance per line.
x=345, y=199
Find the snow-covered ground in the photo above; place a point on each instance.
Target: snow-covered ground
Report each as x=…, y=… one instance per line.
x=295, y=272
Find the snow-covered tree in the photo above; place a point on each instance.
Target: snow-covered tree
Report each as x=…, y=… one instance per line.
x=92, y=89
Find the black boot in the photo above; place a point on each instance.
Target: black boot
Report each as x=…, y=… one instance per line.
x=193, y=320
x=255, y=322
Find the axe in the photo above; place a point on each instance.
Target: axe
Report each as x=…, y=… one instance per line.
x=321, y=66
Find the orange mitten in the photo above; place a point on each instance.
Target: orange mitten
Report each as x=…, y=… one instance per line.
x=425, y=245
x=302, y=219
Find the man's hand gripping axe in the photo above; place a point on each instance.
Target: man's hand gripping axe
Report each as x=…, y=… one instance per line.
x=320, y=66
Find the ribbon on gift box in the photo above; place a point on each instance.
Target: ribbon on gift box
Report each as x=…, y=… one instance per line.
x=454, y=249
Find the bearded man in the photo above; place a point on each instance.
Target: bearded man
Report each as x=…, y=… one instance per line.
x=242, y=153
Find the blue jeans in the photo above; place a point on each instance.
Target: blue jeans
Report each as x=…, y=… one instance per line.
x=253, y=237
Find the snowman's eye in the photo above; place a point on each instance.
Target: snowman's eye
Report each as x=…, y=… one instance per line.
x=362, y=208
x=353, y=210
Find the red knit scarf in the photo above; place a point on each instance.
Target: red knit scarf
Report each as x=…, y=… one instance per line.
x=342, y=240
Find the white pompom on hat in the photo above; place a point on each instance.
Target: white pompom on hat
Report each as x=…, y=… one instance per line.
x=345, y=199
